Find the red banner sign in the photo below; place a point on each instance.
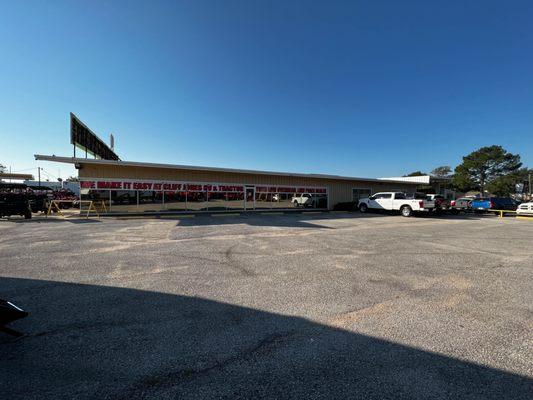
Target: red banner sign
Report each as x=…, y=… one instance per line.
x=99, y=184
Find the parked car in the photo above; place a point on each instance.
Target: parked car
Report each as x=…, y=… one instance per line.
x=394, y=201
x=304, y=200
x=460, y=204
x=485, y=204
x=525, y=209
x=441, y=204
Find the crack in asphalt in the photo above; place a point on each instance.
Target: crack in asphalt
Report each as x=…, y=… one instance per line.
x=235, y=264
x=159, y=381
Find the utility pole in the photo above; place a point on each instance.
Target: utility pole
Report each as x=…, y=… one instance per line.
x=39, y=173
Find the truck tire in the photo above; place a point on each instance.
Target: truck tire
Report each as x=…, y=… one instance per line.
x=296, y=204
x=406, y=211
x=363, y=208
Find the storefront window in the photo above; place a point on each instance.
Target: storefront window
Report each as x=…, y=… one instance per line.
x=197, y=201
x=235, y=200
x=175, y=201
x=263, y=200
x=282, y=200
x=94, y=195
x=138, y=196
x=321, y=201
x=217, y=201
x=301, y=197
x=123, y=201
x=150, y=201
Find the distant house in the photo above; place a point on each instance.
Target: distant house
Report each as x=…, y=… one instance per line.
x=9, y=176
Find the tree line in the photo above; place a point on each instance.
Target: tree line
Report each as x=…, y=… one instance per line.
x=490, y=168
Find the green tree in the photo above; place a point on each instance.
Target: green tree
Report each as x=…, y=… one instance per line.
x=442, y=172
x=484, y=166
x=416, y=173
x=2, y=168
x=506, y=185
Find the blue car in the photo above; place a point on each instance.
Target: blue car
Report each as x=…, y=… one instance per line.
x=493, y=203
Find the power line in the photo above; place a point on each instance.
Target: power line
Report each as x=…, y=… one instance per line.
x=48, y=173
x=23, y=170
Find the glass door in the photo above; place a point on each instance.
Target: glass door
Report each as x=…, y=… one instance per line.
x=249, y=198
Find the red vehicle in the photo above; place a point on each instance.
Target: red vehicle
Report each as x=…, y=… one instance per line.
x=441, y=204
x=460, y=204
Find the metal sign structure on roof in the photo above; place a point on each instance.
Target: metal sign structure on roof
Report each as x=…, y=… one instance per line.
x=86, y=140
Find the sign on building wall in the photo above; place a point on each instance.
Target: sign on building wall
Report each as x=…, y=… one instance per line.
x=171, y=186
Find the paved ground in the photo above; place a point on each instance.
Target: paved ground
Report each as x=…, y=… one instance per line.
x=310, y=306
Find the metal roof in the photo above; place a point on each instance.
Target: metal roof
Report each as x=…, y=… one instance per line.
x=7, y=175
x=120, y=163
x=422, y=179
x=412, y=179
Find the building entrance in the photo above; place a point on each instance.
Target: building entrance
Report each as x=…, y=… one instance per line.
x=249, y=198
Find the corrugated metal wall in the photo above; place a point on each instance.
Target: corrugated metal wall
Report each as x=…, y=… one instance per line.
x=339, y=190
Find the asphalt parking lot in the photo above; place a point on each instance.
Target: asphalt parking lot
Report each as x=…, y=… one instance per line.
x=307, y=306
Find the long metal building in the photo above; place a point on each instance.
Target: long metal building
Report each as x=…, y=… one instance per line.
x=133, y=187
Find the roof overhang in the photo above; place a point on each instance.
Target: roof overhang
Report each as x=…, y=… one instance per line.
x=120, y=163
x=16, y=176
x=422, y=179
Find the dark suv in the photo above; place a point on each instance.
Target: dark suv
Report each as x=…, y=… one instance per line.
x=14, y=200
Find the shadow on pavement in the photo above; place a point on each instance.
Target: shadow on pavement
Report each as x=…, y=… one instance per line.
x=292, y=220
x=303, y=220
x=51, y=220
x=96, y=342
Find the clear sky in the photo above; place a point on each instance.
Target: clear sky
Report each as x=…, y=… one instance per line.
x=361, y=88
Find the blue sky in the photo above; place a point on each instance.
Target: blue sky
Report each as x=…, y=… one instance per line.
x=362, y=88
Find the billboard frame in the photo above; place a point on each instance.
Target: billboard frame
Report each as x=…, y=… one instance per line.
x=82, y=137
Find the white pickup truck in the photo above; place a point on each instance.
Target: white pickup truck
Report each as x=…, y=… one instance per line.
x=303, y=200
x=397, y=201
